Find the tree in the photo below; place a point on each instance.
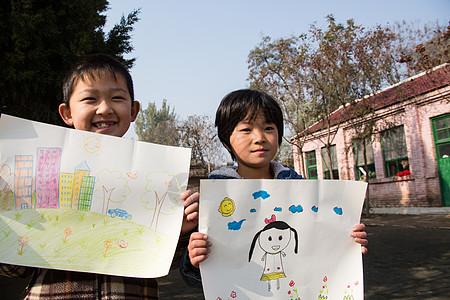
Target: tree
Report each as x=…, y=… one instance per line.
x=199, y=134
x=41, y=40
x=157, y=125
x=314, y=74
x=420, y=49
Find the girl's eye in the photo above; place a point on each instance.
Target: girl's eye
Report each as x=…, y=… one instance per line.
x=280, y=237
x=269, y=238
x=245, y=130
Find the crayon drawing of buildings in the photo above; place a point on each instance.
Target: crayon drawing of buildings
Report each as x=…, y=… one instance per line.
x=65, y=190
x=47, y=177
x=82, y=170
x=23, y=181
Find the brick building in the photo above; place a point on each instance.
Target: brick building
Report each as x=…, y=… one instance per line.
x=408, y=156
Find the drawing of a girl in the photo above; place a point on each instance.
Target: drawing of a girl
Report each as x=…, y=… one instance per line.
x=273, y=239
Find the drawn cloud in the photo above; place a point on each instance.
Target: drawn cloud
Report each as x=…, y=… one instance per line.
x=263, y=194
x=295, y=209
x=235, y=225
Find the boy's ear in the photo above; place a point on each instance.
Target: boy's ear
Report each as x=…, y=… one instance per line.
x=65, y=114
x=135, y=110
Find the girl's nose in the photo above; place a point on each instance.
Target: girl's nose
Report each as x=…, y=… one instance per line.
x=258, y=136
x=104, y=108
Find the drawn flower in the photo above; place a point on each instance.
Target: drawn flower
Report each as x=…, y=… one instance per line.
x=292, y=283
x=233, y=294
x=325, y=279
x=289, y=292
x=218, y=298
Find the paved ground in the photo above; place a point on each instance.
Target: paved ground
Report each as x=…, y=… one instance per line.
x=409, y=258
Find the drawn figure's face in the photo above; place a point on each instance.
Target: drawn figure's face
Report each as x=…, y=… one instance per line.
x=226, y=207
x=274, y=240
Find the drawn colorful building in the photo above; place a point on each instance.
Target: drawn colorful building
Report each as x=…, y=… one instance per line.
x=47, y=177
x=82, y=188
x=65, y=190
x=23, y=182
x=87, y=189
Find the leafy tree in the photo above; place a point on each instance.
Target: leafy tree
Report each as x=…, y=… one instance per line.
x=420, y=48
x=157, y=125
x=41, y=40
x=313, y=74
x=199, y=134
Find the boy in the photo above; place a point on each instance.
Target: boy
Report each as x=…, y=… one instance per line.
x=98, y=97
x=250, y=126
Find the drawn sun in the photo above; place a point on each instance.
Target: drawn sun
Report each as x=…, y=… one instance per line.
x=91, y=145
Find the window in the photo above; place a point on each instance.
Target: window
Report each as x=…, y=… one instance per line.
x=358, y=150
x=327, y=163
x=394, y=151
x=311, y=164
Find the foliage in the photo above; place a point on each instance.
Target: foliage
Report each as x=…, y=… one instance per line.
x=41, y=40
x=199, y=134
x=421, y=48
x=157, y=125
x=315, y=73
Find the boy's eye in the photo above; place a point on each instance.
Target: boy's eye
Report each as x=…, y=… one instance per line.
x=118, y=98
x=88, y=99
x=270, y=128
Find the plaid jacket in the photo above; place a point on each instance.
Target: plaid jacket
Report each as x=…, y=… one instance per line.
x=57, y=284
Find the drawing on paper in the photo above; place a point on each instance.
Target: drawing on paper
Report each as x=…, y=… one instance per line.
x=273, y=239
x=64, y=206
x=227, y=207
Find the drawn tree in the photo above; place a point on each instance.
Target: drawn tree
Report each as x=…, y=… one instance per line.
x=160, y=188
x=6, y=193
x=111, y=187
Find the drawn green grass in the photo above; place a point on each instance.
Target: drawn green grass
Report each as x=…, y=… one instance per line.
x=133, y=247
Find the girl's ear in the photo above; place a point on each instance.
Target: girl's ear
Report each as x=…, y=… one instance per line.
x=66, y=115
x=135, y=110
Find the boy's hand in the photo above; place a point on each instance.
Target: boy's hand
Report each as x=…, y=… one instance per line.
x=360, y=236
x=198, y=248
x=190, y=216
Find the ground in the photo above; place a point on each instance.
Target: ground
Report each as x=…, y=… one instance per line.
x=409, y=258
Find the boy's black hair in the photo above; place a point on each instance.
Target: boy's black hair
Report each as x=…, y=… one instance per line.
x=240, y=104
x=90, y=67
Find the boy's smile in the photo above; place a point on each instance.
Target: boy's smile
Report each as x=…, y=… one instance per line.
x=254, y=144
x=101, y=104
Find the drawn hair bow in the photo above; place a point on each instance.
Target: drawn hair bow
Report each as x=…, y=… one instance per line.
x=272, y=219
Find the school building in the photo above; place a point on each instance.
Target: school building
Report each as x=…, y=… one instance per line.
x=408, y=156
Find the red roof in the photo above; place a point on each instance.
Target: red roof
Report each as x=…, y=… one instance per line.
x=409, y=88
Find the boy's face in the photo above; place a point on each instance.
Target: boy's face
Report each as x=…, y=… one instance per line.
x=101, y=104
x=254, y=143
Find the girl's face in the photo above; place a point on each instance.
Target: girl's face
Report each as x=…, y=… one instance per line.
x=274, y=240
x=255, y=143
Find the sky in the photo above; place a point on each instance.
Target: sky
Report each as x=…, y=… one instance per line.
x=193, y=52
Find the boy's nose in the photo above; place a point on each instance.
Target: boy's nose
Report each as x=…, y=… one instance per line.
x=104, y=107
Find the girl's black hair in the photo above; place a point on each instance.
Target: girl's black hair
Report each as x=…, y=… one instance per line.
x=277, y=225
x=246, y=103
x=91, y=66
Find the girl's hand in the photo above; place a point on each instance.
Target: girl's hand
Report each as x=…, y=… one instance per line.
x=360, y=236
x=190, y=216
x=198, y=248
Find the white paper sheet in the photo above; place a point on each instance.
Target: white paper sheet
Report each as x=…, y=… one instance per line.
x=306, y=254
x=81, y=201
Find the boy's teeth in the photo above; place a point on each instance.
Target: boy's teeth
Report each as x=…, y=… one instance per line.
x=102, y=125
